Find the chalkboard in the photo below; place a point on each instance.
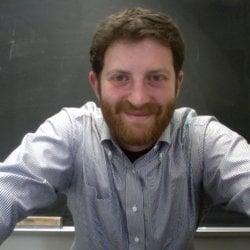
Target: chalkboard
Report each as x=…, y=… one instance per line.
x=44, y=63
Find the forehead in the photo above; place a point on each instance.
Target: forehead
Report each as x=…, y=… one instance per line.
x=146, y=53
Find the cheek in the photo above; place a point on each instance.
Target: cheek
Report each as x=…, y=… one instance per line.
x=112, y=95
x=164, y=96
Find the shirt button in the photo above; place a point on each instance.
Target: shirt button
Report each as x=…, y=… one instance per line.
x=109, y=154
x=136, y=239
x=134, y=209
x=160, y=156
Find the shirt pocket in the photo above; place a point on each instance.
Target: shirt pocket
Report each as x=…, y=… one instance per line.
x=97, y=179
x=105, y=219
x=98, y=192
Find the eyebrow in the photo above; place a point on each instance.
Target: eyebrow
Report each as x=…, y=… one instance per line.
x=165, y=71
x=155, y=71
x=117, y=71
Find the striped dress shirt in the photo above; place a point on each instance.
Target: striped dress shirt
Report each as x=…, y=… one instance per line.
x=153, y=203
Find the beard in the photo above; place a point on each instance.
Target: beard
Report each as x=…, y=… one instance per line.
x=137, y=134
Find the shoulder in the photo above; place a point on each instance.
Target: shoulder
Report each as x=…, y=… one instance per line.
x=188, y=126
x=88, y=110
x=188, y=117
x=73, y=121
x=186, y=121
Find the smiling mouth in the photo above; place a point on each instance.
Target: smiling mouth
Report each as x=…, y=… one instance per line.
x=137, y=116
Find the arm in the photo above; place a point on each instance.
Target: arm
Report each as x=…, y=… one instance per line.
x=227, y=168
x=33, y=173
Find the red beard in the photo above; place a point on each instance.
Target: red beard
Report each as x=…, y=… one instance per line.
x=125, y=134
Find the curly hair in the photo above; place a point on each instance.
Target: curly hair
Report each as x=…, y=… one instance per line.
x=135, y=24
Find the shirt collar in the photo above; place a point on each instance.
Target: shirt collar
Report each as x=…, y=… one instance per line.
x=165, y=137
x=105, y=132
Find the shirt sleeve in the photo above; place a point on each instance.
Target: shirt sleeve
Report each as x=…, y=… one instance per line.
x=227, y=168
x=33, y=173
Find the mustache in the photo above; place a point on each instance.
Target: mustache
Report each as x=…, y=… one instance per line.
x=148, y=108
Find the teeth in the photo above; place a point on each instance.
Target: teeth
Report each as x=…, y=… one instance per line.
x=139, y=114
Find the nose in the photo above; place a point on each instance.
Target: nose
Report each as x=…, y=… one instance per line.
x=138, y=95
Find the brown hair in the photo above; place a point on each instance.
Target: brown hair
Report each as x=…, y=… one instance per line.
x=136, y=24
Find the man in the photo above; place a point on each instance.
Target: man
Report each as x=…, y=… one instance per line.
x=136, y=172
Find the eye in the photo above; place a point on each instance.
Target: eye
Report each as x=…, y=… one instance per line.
x=156, y=79
x=119, y=78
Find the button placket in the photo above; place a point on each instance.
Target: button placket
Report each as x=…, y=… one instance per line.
x=134, y=209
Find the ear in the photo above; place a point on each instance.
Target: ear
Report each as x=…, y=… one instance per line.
x=179, y=81
x=94, y=83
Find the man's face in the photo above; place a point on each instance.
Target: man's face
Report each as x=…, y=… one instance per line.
x=137, y=91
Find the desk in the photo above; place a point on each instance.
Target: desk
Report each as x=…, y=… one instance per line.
x=206, y=238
